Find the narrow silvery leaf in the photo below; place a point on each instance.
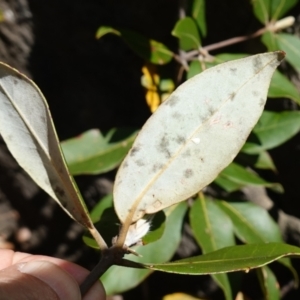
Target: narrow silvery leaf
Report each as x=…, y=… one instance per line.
x=26, y=127
x=193, y=135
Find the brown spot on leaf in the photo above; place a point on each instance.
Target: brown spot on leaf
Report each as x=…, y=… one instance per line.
x=172, y=101
x=187, y=153
x=59, y=191
x=156, y=167
x=255, y=93
x=231, y=96
x=176, y=115
x=139, y=162
x=257, y=64
x=261, y=102
x=43, y=119
x=134, y=150
x=188, y=173
x=163, y=146
x=180, y=139
x=233, y=70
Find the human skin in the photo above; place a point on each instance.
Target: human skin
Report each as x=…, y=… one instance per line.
x=25, y=276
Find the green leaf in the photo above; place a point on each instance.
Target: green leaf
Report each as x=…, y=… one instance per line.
x=291, y=45
x=261, y=9
x=269, y=284
x=26, y=127
x=158, y=225
x=272, y=130
x=100, y=207
x=252, y=224
x=211, y=226
x=281, y=87
x=92, y=153
x=238, y=176
x=198, y=13
x=195, y=68
x=280, y=7
x=267, y=10
x=148, y=49
x=103, y=30
x=120, y=279
x=229, y=259
x=264, y=161
x=270, y=41
x=201, y=130
x=213, y=230
x=187, y=33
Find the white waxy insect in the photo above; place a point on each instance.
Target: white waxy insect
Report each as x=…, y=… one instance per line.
x=196, y=140
x=137, y=231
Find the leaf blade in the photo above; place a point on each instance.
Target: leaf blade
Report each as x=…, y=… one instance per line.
x=146, y=184
x=229, y=259
x=27, y=128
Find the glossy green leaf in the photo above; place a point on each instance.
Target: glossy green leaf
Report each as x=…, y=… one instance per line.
x=213, y=230
x=270, y=41
x=92, y=153
x=267, y=10
x=120, y=279
x=252, y=224
x=261, y=9
x=265, y=161
x=187, y=32
x=291, y=45
x=26, y=127
x=281, y=87
x=240, y=176
x=229, y=259
x=201, y=130
x=195, y=68
x=269, y=284
x=100, y=207
x=103, y=30
x=280, y=7
x=272, y=130
x=198, y=13
x=148, y=49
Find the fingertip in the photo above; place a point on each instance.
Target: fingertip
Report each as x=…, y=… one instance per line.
x=63, y=284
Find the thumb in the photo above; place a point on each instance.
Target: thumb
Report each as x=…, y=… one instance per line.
x=37, y=280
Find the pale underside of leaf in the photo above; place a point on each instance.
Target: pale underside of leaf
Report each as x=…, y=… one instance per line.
x=26, y=127
x=193, y=135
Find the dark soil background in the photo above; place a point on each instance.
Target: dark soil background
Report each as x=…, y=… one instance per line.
x=91, y=83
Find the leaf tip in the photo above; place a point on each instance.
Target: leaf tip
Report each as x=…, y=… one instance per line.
x=280, y=55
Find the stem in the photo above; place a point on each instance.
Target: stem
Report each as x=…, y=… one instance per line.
x=226, y=43
x=98, y=238
x=235, y=40
x=110, y=257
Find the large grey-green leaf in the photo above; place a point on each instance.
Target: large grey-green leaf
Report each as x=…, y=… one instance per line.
x=193, y=135
x=26, y=127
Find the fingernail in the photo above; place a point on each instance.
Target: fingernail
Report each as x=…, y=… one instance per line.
x=60, y=281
